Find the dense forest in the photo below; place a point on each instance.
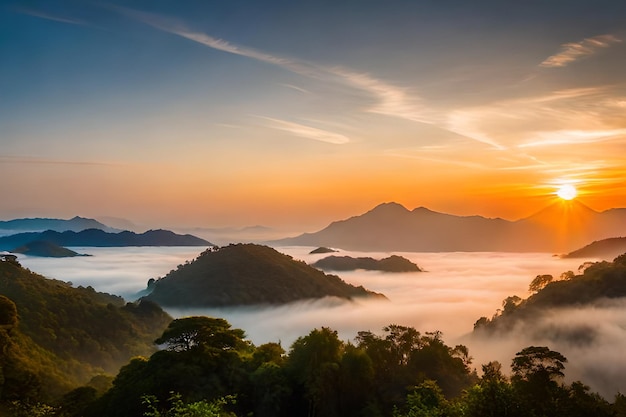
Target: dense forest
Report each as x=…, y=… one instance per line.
x=203, y=367
x=247, y=274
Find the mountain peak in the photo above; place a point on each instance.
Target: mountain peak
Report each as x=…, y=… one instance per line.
x=390, y=207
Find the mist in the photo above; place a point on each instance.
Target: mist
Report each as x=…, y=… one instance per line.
x=455, y=290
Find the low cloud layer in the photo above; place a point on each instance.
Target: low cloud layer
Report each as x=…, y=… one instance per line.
x=456, y=290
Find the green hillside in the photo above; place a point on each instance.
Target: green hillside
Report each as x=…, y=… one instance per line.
x=247, y=274
x=54, y=336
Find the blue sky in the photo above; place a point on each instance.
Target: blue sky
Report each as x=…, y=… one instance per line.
x=299, y=113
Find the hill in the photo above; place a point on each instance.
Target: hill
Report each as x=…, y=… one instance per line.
x=247, y=274
x=393, y=263
x=100, y=238
x=390, y=227
x=598, y=281
x=603, y=249
x=75, y=224
x=63, y=336
x=322, y=250
x=45, y=249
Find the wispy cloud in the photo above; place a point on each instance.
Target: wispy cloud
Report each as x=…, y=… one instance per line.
x=307, y=131
x=390, y=100
x=574, y=51
x=47, y=16
x=566, y=137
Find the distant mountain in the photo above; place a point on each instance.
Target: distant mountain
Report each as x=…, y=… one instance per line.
x=45, y=249
x=99, y=238
x=322, y=250
x=75, y=224
x=247, y=274
x=603, y=249
x=393, y=263
x=390, y=227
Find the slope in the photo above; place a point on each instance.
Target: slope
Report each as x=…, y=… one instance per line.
x=247, y=274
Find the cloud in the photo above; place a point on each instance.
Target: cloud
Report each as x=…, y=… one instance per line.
x=575, y=51
x=47, y=16
x=307, y=131
x=568, y=137
x=391, y=100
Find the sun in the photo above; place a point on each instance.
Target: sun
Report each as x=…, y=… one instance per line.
x=567, y=192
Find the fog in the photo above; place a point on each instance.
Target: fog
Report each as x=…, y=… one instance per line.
x=456, y=289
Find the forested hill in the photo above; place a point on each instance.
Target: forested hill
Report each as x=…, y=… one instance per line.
x=54, y=336
x=99, y=238
x=247, y=274
x=394, y=263
x=599, y=280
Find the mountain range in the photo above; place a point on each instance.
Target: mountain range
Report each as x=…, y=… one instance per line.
x=560, y=227
x=75, y=224
x=100, y=238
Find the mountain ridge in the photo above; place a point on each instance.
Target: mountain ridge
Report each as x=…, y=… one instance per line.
x=557, y=228
x=100, y=238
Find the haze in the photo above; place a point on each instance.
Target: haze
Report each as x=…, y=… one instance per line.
x=295, y=114
x=457, y=289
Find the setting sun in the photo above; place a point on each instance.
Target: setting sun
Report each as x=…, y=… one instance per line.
x=567, y=192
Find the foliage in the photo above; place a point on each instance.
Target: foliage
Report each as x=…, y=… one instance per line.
x=178, y=408
x=64, y=335
x=595, y=281
x=247, y=274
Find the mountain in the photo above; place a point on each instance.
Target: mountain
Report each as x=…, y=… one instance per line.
x=99, y=238
x=55, y=337
x=75, y=224
x=393, y=263
x=390, y=227
x=247, y=274
x=45, y=249
x=604, y=249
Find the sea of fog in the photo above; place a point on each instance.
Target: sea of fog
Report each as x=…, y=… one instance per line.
x=454, y=291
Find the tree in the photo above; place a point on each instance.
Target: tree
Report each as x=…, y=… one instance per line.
x=201, y=332
x=178, y=408
x=536, y=370
x=536, y=361
x=425, y=400
x=314, y=364
x=8, y=313
x=540, y=282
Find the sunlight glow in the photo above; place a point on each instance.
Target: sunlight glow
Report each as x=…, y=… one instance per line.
x=567, y=192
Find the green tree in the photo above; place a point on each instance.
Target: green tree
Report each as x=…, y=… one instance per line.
x=201, y=332
x=314, y=363
x=537, y=371
x=177, y=408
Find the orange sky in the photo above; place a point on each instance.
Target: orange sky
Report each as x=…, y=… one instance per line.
x=214, y=115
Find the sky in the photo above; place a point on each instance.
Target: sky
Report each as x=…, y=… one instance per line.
x=295, y=114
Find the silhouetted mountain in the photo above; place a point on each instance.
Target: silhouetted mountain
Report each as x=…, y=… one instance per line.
x=75, y=224
x=390, y=227
x=603, y=249
x=322, y=250
x=247, y=274
x=45, y=249
x=99, y=238
x=393, y=263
